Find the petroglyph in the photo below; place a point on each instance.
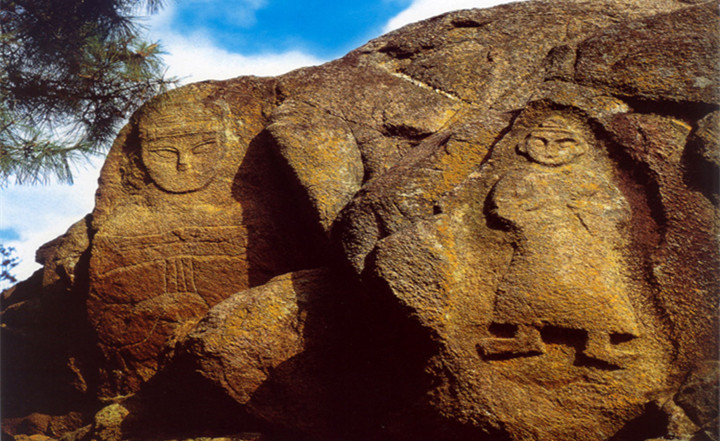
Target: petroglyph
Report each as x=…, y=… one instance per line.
x=565, y=272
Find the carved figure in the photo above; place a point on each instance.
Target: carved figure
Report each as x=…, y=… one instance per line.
x=565, y=272
x=165, y=257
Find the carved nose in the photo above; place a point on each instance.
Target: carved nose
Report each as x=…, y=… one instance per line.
x=182, y=163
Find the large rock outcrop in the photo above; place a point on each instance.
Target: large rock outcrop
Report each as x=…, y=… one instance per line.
x=496, y=224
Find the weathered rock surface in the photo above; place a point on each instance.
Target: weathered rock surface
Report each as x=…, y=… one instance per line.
x=264, y=347
x=208, y=222
x=495, y=224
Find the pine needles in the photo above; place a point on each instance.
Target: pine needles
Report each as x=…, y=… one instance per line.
x=72, y=72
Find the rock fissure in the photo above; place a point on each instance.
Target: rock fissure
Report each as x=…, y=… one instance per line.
x=425, y=86
x=516, y=209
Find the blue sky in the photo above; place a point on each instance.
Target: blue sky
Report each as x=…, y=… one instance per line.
x=324, y=28
x=218, y=39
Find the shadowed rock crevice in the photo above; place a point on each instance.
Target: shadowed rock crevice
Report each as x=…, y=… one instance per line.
x=493, y=225
x=49, y=380
x=701, y=158
x=650, y=425
x=198, y=407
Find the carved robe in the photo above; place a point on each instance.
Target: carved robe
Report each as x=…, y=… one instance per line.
x=148, y=285
x=566, y=269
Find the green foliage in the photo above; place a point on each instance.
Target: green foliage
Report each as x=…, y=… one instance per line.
x=72, y=72
x=8, y=261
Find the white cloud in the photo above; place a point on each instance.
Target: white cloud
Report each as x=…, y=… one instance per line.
x=39, y=214
x=196, y=58
x=422, y=9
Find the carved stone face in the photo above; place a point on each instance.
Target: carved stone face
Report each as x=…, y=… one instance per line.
x=185, y=162
x=552, y=147
x=553, y=143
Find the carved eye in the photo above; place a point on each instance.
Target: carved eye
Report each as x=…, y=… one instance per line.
x=204, y=148
x=567, y=143
x=536, y=143
x=165, y=152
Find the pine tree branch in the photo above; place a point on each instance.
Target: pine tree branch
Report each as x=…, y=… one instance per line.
x=78, y=65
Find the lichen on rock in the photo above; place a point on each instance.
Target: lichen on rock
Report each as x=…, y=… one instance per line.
x=495, y=224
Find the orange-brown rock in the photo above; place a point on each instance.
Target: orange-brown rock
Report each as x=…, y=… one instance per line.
x=495, y=224
x=263, y=347
x=193, y=212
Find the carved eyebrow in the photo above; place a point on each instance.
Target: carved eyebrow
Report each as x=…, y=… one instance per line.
x=203, y=143
x=544, y=138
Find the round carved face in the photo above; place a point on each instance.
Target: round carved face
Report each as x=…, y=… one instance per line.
x=182, y=163
x=551, y=147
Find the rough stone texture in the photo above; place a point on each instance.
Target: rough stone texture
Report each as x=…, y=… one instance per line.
x=698, y=397
x=657, y=58
x=48, y=358
x=260, y=346
x=567, y=337
x=321, y=153
x=495, y=224
x=196, y=216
